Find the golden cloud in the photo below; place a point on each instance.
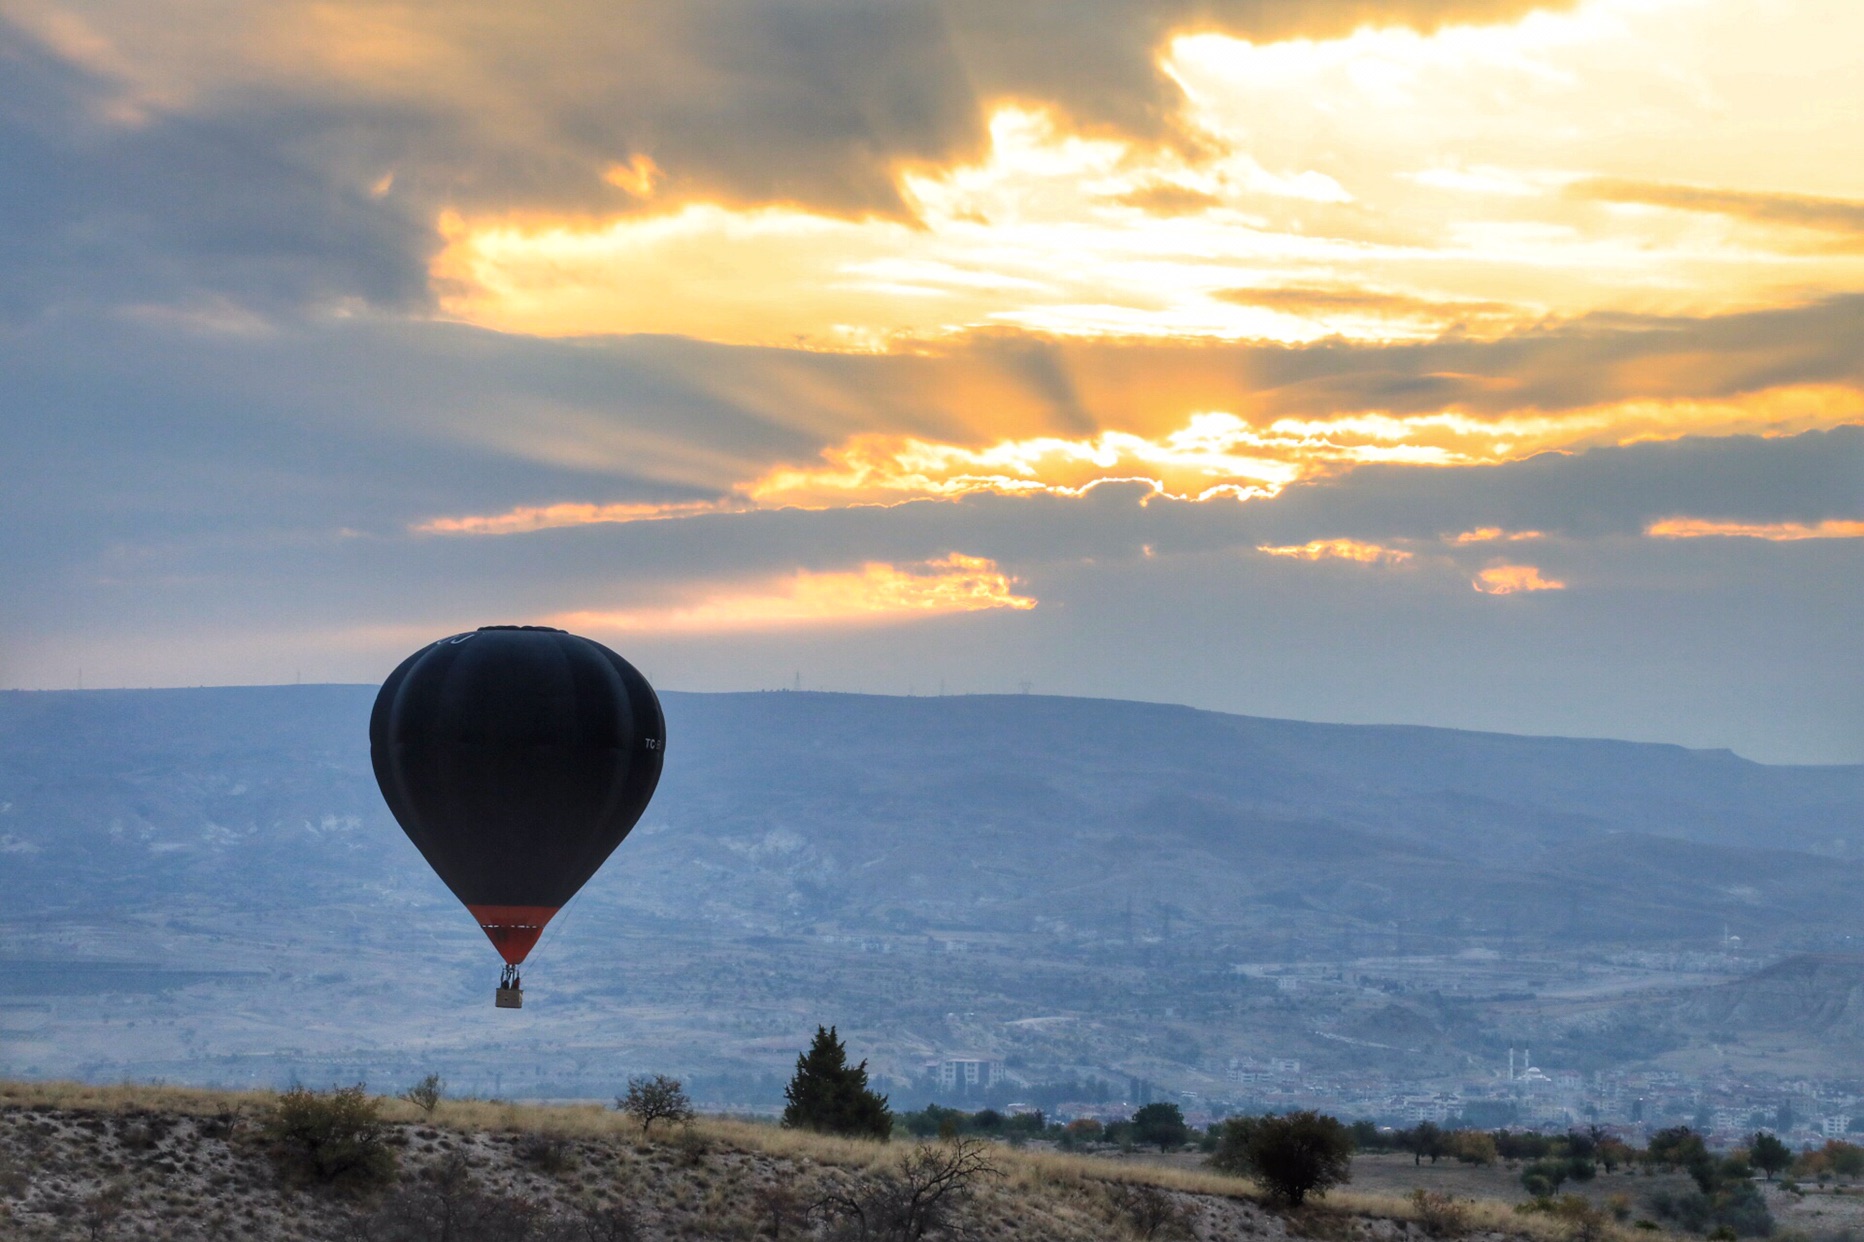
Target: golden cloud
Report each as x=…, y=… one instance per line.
x=1213, y=455
x=1777, y=532
x=1837, y=215
x=1389, y=185
x=1491, y=534
x=1513, y=579
x=1339, y=550
x=878, y=592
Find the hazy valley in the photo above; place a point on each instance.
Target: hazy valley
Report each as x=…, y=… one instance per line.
x=203, y=885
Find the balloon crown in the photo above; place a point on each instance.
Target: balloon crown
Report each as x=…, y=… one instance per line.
x=544, y=629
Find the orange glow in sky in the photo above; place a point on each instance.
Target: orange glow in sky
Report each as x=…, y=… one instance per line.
x=1213, y=456
x=1514, y=579
x=877, y=592
x=1340, y=550
x=1775, y=532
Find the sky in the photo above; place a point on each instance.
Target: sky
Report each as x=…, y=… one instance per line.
x=1472, y=363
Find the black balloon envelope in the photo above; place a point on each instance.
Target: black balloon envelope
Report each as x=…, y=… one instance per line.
x=516, y=758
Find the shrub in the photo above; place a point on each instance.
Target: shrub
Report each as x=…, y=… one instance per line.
x=426, y=1094
x=1441, y=1215
x=1543, y=1177
x=332, y=1138
x=1292, y=1156
x=921, y=1195
x=548, y=1153
x=1150, y=1211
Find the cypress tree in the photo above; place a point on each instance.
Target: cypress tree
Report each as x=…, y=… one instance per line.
x=829, y=1095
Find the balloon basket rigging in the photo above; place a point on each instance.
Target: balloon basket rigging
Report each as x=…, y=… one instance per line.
x=510, y=994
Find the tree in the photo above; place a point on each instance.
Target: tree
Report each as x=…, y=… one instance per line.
x=1422, y=1140
x=1293, y=1156
x=655, y=1099
x=1768, y=1154
x=829, y=1095
x=1847, y=1159
x=1161, y=1123
x=1471, y=1147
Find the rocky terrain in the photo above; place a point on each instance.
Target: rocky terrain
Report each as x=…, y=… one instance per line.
x=180, y=1166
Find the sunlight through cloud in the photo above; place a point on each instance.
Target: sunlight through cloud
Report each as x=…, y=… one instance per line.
x=1776, y=532
x=877, y=592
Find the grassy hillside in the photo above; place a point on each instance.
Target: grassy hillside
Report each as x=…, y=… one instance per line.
x=145, y=1162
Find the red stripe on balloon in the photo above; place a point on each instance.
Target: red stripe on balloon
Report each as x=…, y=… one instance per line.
x=513, y=930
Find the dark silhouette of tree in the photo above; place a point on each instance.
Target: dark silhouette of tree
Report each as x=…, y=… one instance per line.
x=1161, y=1123
x=1292, y=1157
x=829, y=1095
x=1423, y=1140
x=655, y=1099
x=1768, y=1154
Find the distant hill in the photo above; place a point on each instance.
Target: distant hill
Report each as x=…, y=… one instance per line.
x=979, y=811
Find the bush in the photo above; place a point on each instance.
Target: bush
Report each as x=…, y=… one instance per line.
x=1441, y=1215
x=332, y=1138
x=1150, y=1211
x=921, y=1195
x=1292, y=1157
x=1543, y=1177
x=426, y=1094
x=1741, y=1209
x=548, y=1153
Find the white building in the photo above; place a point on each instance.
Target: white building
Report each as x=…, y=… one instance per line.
x=969, y=1072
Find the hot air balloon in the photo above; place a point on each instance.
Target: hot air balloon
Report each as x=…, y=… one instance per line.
x=516, y=758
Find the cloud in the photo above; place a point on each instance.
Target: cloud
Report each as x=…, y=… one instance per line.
x=1513, y=579
x=1774, y=532
x=1804, y=211
x=877, y=592
x=861, y=177
x=1334, y=303
x=526, y=518
x=103, y=206
x=1215, y=456
x=814, y=101
x=1339, y=550
x=1491, y=534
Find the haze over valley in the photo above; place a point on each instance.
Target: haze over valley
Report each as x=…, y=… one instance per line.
x=1101, y=901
